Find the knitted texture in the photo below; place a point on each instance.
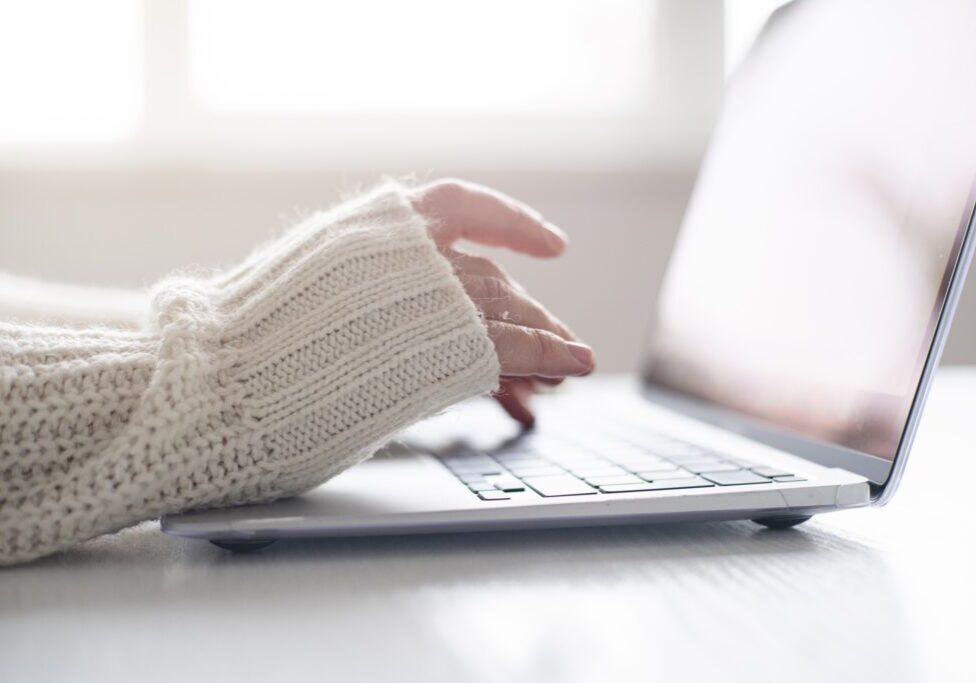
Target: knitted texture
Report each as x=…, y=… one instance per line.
x=251, y=385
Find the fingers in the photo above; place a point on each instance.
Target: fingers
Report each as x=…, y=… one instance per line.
x=463, y=210
x=515, y=395
x=549, y=381
x=497, y=300
x=473, y=264
x=529, y=340
x=530, y=352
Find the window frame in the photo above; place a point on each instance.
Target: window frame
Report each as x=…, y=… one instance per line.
x=178, y=132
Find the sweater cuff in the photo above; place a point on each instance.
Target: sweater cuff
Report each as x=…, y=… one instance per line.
x=348, y=330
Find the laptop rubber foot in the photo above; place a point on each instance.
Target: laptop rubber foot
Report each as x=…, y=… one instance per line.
x=782, y=522
x=242, y=546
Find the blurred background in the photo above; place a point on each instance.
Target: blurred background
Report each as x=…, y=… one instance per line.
x=140, y=136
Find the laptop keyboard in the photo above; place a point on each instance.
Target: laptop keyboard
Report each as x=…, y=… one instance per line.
x=554, y=465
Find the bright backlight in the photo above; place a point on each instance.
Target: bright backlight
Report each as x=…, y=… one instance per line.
x=69, y=71
x=544, y=57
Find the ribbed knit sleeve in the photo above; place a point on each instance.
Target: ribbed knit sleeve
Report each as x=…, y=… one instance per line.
x=254, y=384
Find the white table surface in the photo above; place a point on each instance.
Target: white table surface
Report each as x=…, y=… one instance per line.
x=876, y=595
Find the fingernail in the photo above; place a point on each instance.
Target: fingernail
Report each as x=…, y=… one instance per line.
x=582, y=353
x=556, y=238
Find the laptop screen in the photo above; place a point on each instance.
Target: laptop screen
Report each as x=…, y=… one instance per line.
x=813, y=263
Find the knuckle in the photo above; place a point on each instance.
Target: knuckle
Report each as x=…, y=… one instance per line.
x=469, y=282
x=475, y=287
x=495, y=288
x=478, y=261
x=540, y=347
x=559, y=327
x=449, y=189
x=488, y=266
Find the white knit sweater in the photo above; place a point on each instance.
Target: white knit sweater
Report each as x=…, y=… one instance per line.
x=254, y=384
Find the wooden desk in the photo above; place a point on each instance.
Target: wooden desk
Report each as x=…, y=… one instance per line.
x=871, y=595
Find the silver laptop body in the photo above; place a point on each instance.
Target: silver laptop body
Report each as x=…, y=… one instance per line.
x=803, y=314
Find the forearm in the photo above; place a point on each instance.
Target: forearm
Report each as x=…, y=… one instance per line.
x=246, y=387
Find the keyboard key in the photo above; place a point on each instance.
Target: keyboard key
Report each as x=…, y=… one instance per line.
x=539, y=443
x=536, y=471
x=570, y=452
x=694, y=457
x=461, y=458
x=618, y=454
x=650, y=442
x=677, y=450
x=582, y=464
x=627, y=488
x=470, y=478
x=655, y=467
x=609, y=481
x=699, y=468
x=504, y=476
x=624, y=452
x=475, y=468
x=480, y=472
x=513, y=451
x=604, y=471
x=481, y=486
x=686, y=483
x=771, y=472
x=493, y=495
x=507, y=483
x=642, y=465
x=665, y=476
x=559, y=485
x=522, y=453
x=525, y=462
x=735, y=478
x=789, y=478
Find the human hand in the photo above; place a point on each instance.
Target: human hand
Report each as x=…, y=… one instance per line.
x=533, y=346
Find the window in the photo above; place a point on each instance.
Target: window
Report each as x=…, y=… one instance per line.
x=443, y=57
x=69, y=71
x=356, y=84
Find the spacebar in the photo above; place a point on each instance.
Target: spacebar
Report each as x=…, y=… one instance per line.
x=558, y=485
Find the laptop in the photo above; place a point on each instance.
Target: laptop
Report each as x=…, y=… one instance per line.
x=794, y=338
